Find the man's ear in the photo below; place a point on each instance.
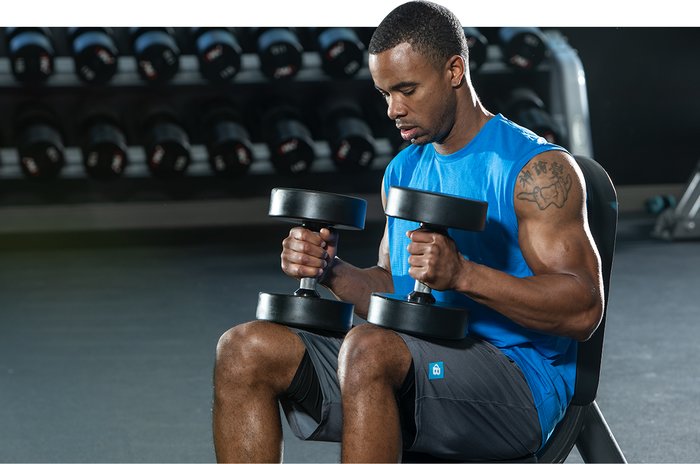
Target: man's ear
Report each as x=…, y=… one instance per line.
x=456, y=67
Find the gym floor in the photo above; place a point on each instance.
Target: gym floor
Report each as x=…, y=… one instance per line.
x=107, y=341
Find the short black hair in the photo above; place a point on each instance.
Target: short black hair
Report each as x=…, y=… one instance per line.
x=431, y=29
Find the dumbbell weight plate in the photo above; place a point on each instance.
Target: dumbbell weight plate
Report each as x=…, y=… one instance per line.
x=447, y=211
x=437, y=212
x=305, y=311
x=302, y=206
x=436, y=320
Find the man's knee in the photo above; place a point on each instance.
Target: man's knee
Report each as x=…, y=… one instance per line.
x=257, y=350
x=370, y=353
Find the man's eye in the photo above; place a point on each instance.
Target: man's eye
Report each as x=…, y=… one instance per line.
x=408, y=92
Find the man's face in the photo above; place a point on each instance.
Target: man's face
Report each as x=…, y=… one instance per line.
x=420, y=98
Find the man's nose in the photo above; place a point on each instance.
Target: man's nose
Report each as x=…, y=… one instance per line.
x=395, y=109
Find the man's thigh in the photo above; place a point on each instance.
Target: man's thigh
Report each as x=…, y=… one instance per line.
x=469, y=401
x=466, y=400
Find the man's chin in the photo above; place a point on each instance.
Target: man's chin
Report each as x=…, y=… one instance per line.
x=420, y=140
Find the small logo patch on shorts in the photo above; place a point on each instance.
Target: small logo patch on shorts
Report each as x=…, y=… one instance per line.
x=436, y=370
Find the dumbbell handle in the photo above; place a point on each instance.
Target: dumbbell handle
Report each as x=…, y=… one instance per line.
x=422, y=293
x=307, y=285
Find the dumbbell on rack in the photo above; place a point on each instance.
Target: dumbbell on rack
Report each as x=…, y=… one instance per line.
x=227, y=140
x=349, y=136
x=167, y=144
x=218, y=52
x=419, y=313
x=95, y=53
x=523, y=48
x=314, y=211
x=39, y=143
x=288, y=139
x=157, y=53
x=526, y=108
x=478, y=45
x=279, y=49
x=342, y=52
x=31, y=52
x=104, y=147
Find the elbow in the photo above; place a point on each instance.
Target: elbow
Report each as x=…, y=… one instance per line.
x=589, y=322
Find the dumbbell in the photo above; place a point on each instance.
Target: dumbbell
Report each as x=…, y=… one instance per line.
x=31, y=52
x=227, y=140
x=280, y=51
x=526, y=108
x=157, y=53
x=658, y=203
x=167, y=145
x=478, y=45
x=349, y=136
x=104, y=146
x=288, y=139
x=39, y=143
x=94, y=52
x=218, y=52
x=341, y=51
x=314, y=211
x=523, y=48
x=418, y=313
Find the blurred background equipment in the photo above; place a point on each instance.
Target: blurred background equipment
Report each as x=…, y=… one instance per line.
x=31, y=53
x=218, y=52
x=133, y=105
x=279, y=50
x=342, y=53
x=104, y=148
x=157, y=53
x=39, y=143
x=350, y=137
x=288, y=139
x=228, y=142
x=478, y=46
x=95, y=53
x=523, y=48
x=526, y=108
x=166, y=143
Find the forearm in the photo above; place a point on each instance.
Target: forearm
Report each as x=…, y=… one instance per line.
x=355, y=285
x=562, y=304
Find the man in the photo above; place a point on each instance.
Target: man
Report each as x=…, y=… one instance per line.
x=531, y=282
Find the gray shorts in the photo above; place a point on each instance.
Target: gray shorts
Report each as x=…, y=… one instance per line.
x=471, y=401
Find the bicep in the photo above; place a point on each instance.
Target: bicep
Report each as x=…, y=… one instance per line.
x=553, y=228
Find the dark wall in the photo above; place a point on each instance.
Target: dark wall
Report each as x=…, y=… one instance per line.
x=644, y=97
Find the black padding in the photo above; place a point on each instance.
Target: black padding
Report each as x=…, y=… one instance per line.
x=602, y=219
x=430, y=208
x=434, y=320
x=305, y=312
x=322, y=208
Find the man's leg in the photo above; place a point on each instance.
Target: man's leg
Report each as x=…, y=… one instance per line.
x=255, y=363
x=373, y=365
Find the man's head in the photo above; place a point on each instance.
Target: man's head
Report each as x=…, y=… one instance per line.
x=418, y=61
x=431, y=29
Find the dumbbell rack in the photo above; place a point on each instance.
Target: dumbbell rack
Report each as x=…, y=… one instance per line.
x=136, y=200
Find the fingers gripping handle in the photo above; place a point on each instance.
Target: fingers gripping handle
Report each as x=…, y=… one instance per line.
x=307, y=285
x=421, y=292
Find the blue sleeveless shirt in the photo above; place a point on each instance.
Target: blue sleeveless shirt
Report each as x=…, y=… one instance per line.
x=487, y=169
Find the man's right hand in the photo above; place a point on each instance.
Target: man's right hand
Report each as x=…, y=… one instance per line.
x=308, y=254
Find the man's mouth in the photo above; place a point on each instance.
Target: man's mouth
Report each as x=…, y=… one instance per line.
x=408, y=132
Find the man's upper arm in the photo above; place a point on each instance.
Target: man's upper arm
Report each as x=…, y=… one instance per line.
x=550, y=205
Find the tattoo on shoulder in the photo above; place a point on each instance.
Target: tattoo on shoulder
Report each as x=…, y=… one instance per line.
x=545, y=183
